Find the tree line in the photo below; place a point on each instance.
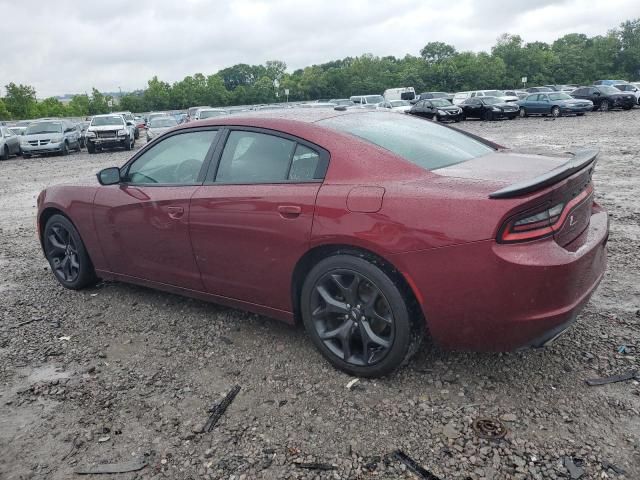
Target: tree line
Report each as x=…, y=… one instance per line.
x=573, y=58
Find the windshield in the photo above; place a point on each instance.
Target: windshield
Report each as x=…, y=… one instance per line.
x=440, y=102
x=400, y=103
x=110, y=120
x=608, y=90
x=374, y=98
x=494, y=93
x=560, y=96
x=44, y=127
x=422, y=143
x=211, y=113
x=163, y=122
x=491, y=100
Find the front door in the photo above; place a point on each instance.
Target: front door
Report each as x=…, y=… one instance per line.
x=252, y=221
x=143, y=223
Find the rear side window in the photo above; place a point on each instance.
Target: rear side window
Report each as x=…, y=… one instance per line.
x=253, y=157
x=423, y=143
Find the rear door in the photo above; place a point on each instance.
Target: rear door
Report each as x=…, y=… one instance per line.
x=143, y=223
x=251, y=221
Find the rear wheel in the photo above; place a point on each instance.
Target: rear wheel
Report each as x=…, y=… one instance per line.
x=357, y=317
x=66, y=254
x=555, y=112
x=604, y=106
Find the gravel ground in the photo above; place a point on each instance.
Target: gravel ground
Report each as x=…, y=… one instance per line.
x=118, y=373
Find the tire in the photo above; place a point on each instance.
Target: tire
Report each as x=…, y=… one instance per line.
x=91, y=148
x=488, y=116
x=604, y=106
x=392, y=336
x=136, y=134
x=5, y=153
x=65, y=149
x=523, y=112
x=555, y=112
x=66, y=254
x=128, y=144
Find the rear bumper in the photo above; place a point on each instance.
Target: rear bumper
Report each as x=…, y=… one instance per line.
x=487, y=296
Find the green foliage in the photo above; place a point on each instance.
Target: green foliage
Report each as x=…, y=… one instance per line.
x=573, y=58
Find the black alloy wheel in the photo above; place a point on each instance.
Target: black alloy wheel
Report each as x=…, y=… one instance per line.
x=357, y=317
x=66, y=254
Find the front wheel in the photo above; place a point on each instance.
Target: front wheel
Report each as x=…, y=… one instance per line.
x=357, y=317
x=64, y=151
x=69, y=260
x=604, y=106
x=128, y=144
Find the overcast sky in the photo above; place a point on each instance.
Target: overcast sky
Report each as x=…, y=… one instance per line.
x=69, y=46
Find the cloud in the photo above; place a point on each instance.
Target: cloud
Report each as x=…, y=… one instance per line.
x=69, y=46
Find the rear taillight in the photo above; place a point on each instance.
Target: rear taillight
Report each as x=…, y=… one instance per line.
x=540, y=224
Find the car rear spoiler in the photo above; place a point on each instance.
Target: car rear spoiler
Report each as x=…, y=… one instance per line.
x=581, y=159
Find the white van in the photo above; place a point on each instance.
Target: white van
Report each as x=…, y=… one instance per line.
x=460, y=97
x=403, y=93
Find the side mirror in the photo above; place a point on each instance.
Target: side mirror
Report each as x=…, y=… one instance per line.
x=130, y=123
x=109, y=176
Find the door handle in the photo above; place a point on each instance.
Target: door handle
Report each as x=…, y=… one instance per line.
x=289, y=211
x=175, y=212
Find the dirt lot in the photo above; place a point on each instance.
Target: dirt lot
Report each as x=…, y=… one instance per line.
x=118, y=373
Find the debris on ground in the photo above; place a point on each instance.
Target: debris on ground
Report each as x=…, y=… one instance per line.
x=27, y=322
x=614, y=468
x=574, y=466
x=623, y=377
x=489, y=428
x=218, y=410
x=352, y=383
x=413, y=466
x=124, y=467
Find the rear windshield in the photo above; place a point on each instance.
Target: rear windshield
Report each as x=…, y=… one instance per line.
x=419, y=141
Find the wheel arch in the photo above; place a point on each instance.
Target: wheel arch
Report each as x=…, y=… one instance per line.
x=319, y=252
x=44, y=217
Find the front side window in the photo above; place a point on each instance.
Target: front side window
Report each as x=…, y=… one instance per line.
x=176, y=160
x=425, y=144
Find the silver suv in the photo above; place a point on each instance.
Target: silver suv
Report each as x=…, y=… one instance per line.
x=49, y=136
x=109, y=131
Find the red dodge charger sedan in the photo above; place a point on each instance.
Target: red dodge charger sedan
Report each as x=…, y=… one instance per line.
x=372, y=228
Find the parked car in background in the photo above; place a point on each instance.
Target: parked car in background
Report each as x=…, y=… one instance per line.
x=9, y=143
x=400, y=106
x=631, y=89
x=501, y=94
x=152, y=115
x=342, y=101
x=318, y=105
x=191, y=111
x=49, y=136
x=562, y=88
x=438, y=109
x=555, y=104
x=539, y=89
x=160, y=125
x=203, y=113
x=403, y=93
x=366, y=99
x=605, y=97
x=130, y=119
x=109, y=131
x=609, y=82
x=483, y=248
x=431, y=95
x=489, y=108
